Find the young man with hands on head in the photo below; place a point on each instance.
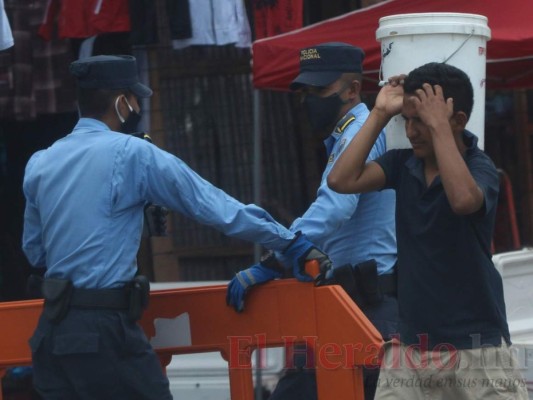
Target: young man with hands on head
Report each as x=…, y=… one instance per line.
x=453, y=336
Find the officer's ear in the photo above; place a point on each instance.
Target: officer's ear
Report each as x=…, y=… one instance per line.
x=354, y=88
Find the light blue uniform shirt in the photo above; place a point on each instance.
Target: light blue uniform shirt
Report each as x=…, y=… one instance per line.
x=352, y=228
x=85, y=197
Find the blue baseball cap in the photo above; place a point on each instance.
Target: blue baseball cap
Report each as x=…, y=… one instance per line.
x=324, y=63
x=109, y=72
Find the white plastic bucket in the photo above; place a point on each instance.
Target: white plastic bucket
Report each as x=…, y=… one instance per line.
x=411, y=40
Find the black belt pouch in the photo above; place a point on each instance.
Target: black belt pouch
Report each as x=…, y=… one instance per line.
x=57, y=294
x=140, y=293
x=367, y=280
x=345, y=276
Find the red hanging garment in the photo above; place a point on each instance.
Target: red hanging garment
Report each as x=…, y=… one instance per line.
x=272, y=17
x=85, y=18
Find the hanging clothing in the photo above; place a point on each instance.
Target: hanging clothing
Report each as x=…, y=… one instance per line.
x=216, y=22
x=143, y=18
x=34, y=76
x=179, y=19
x=272, y=17
x=6, y=36
x=85, y=18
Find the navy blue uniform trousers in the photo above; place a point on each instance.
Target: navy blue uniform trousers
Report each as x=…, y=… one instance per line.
x=300, y=383
x=95, y=354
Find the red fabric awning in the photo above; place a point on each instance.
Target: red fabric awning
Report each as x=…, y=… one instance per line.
x=509, y=52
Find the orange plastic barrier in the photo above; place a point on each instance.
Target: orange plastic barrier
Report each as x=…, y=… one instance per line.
x=343, y=338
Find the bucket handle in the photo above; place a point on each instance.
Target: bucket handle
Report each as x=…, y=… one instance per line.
x=380, y=74
x=460, y=47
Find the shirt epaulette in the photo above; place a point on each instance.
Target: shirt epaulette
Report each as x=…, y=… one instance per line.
x=344, y=122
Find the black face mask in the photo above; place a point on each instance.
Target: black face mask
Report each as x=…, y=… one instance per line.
x=131, y=122
x=323, y=111
x=128, y=125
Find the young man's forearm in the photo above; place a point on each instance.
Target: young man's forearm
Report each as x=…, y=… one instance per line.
x=462, y=191
x=346, y=174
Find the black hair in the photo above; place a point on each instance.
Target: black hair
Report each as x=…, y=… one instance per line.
x=454, y=82
x=94, y=103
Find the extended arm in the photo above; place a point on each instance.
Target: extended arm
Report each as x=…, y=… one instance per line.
x=326, y=214
x=170, y=182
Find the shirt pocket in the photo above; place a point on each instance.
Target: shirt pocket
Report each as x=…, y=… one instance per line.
x=76, y=343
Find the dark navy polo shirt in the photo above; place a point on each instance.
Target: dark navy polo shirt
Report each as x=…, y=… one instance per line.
x=448, y=288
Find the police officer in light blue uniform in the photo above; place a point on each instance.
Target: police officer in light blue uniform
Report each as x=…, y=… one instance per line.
x=353, y=228
x=356, y=231
x=83, y=220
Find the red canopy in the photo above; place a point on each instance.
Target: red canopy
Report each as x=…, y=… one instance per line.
x=509, y=52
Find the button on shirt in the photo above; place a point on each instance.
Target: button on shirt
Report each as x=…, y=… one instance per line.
x=352, y=228
x=85, y=197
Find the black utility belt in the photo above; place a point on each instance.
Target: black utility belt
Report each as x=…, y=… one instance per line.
x=101, y=298
x=60, y=295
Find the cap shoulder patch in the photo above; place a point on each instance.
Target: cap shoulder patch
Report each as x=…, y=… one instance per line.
x=344, y=123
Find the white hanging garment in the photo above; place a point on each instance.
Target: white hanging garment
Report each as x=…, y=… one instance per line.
x=217, y=22
x=6, y=36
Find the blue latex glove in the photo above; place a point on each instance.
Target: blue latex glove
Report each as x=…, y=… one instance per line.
x=245, y=279
x=299, y=252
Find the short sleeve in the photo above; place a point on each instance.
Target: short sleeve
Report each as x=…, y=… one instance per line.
x=486, y=176
x=391, y=163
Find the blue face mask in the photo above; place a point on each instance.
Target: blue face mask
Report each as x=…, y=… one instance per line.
x=323, y=112
x=130, y=123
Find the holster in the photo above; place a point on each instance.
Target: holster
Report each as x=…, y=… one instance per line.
x=57, y=294
x=139, y=296
x=366, y=275
x=345, y=277
x=360, y=282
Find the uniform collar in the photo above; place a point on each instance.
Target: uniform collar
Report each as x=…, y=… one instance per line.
x=91, y=124
x=341, y=126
